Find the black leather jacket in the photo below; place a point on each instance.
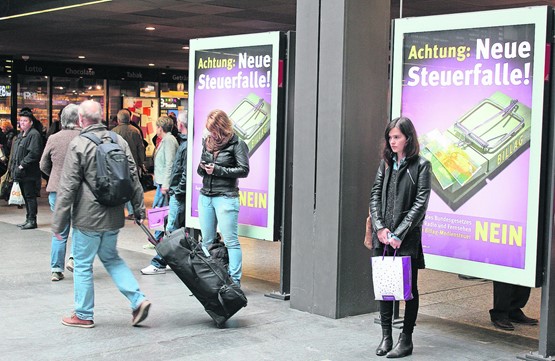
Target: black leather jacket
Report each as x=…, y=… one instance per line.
x=231, y=163
x=413, y=192
x=178, y=178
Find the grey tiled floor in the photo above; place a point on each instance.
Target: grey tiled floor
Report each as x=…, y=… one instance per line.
x=453, y=323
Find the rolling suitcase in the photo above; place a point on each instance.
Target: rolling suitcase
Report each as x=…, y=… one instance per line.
x=205, y=277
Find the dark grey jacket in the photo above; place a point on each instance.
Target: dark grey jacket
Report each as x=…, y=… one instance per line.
x=178, y=178
x=413, y=192
x=231, y=163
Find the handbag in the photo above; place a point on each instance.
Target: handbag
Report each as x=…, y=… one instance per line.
x=392, y=277
x=16, y=197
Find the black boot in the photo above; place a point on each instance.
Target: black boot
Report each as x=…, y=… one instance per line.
x=387, y=342
x=24, y=223
x=30, y=225
x=402, y=348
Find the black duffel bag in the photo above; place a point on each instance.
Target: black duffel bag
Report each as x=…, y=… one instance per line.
x=207, y=278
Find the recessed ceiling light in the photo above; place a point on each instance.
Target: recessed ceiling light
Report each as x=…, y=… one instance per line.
x=150, y=28
x=81, y=56
x=151, y=64
x=185, y=47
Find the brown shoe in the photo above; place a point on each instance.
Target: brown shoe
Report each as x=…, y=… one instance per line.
x=141, y=313
x=74, y=321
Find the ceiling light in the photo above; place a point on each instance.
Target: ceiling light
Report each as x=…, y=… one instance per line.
x=150, y=28
x=7, y=66
x=9, y=61
x=185, y=47
x=151, y=64
x=81, y=56
x=53, y=9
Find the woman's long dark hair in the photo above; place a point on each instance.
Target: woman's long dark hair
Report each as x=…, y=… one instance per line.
x=412, y=147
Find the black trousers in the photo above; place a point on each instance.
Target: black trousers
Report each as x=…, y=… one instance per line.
x=411, y=307
x=508, y=300
x=29, y=192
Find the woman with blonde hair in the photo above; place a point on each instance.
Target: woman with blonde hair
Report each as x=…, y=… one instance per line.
x=224, y=160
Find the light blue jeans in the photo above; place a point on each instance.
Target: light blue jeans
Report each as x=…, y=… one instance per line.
x=86, y=245
x=223, y=212
x=58, y=248
x=175, y=213
x=129, y=207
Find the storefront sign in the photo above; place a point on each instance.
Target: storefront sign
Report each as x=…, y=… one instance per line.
x=238, y=74
x=473, y=85
x=5, y=91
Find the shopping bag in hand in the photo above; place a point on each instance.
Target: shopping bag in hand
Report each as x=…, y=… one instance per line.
x=392, y=277
x=15, y=196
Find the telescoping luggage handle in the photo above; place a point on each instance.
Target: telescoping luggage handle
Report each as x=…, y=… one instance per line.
x=151, y=238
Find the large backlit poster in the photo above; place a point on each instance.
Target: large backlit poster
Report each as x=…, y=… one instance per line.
x=237, y=74
x=473, y=86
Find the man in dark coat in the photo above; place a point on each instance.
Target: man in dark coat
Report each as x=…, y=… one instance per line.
x=25, y=166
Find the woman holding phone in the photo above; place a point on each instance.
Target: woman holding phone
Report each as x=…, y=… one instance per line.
x=223, y=161
x=398, y=203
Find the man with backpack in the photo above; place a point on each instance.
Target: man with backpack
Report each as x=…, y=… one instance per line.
x=86, y=195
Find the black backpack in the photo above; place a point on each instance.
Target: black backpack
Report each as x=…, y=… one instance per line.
x=113, y=185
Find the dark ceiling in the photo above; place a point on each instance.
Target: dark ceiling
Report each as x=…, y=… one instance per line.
x=114, y=32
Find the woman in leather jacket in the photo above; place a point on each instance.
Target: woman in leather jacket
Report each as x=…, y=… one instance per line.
x=398, y=203
x=224, y=160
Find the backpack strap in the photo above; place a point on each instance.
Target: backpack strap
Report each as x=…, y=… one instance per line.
x=93, y=138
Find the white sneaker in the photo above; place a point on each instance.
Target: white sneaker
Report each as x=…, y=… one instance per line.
x=151, y=270
x=168, y=268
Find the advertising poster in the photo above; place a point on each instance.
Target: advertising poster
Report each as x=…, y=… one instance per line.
x=144, y=112
x=473, y=86
x=239, y=75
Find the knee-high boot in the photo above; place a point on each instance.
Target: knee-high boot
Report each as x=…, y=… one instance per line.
x=387, y=342
x=402, y=348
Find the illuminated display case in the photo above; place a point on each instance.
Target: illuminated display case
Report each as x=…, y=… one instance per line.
x=32, y=92
x=75, y=90
x=5, y=98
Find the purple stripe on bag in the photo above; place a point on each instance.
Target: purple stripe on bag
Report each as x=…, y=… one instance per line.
x=407, y=278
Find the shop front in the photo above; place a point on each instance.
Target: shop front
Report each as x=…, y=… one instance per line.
x=47, y=87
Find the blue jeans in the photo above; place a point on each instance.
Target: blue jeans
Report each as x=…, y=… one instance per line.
x=175, y=214
x=86, y=245
x=129, y=207
x=58, y=248
x=222, y=211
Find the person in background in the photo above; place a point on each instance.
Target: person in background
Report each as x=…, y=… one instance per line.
x=398, y=203
x=9, y=132
x=25, y=166
x=51, y=163
x=177, y=191
x=164, y=156
x=224, y=159
x=508, y=301
x=95, y=226
x=133, y=137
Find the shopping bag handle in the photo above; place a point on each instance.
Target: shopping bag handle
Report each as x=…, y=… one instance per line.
x=385, y=251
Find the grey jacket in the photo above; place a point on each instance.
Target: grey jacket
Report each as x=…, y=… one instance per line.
x=54, y=154
x=74, y=197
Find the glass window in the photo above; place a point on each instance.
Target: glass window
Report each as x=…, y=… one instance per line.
x=32, y=92
x=75, y=90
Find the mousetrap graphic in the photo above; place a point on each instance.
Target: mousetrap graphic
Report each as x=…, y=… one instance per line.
x=477, y=147
x=251, y=121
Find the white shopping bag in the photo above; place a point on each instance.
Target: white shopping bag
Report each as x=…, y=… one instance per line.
x=392, y=278
x=15, y=195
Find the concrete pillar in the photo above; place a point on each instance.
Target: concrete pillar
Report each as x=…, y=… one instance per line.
x=341, y=108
